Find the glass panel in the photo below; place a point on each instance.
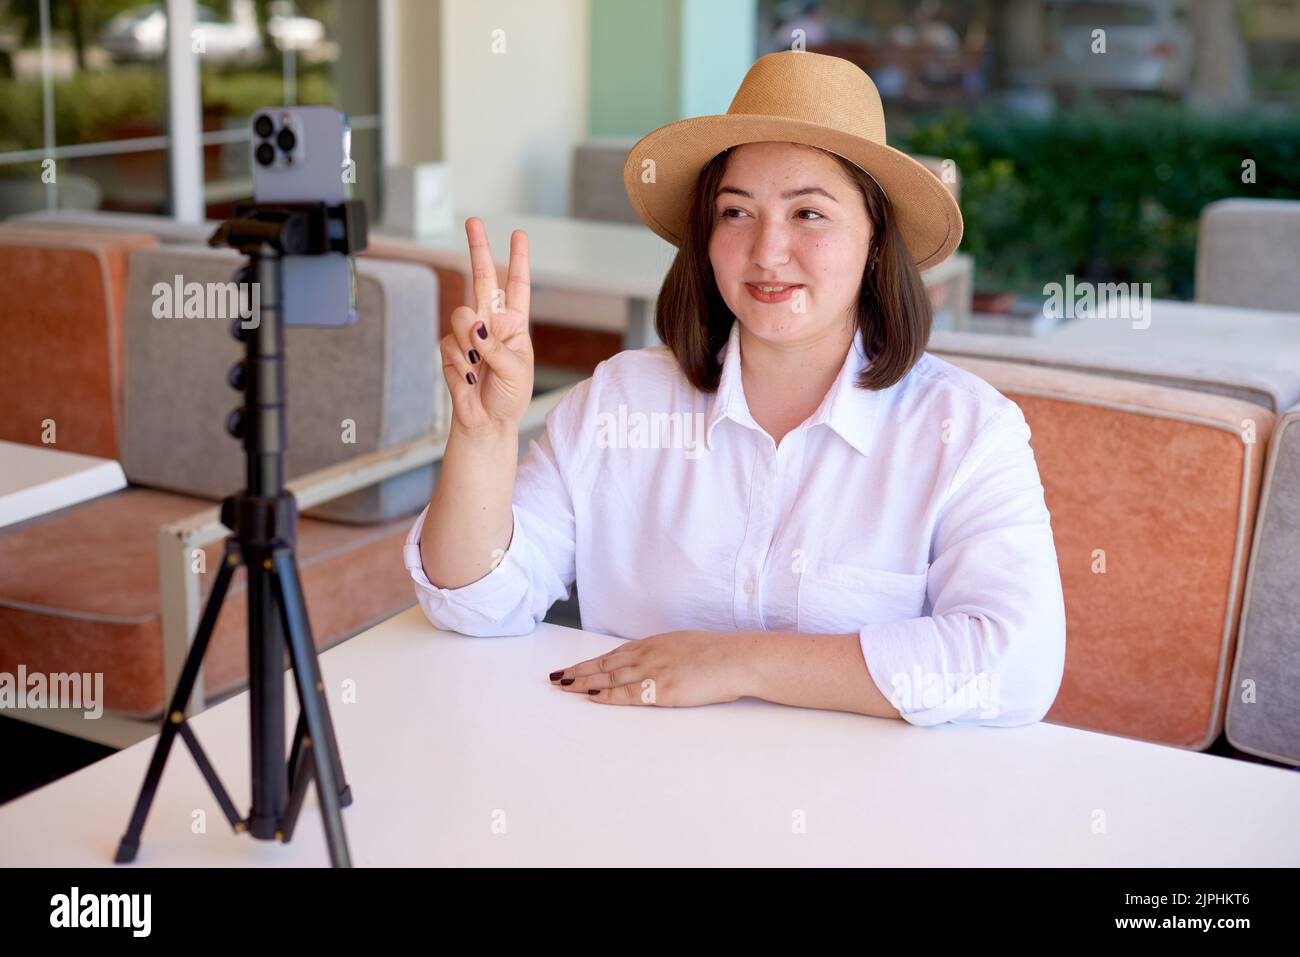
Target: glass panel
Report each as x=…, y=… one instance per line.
x=1070, y=158
x=308, y=52
x=105, y=89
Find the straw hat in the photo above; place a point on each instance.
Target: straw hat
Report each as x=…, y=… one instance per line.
x=796, y=97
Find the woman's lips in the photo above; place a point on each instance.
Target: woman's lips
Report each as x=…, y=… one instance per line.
x=770, y=297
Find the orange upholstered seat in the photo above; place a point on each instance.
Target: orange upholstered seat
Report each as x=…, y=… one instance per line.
x=62, y=332
x=1152, y=493
x=79, y=593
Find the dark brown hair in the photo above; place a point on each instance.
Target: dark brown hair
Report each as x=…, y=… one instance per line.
x=894, y=311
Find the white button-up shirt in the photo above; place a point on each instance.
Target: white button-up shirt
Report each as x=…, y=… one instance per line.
x=911, y=516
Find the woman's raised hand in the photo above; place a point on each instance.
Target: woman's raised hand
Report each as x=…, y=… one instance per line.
x=488, y=357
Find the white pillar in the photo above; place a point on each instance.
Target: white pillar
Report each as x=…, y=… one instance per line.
x=184, y=112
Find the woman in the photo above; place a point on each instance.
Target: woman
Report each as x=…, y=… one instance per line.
x=789, y=499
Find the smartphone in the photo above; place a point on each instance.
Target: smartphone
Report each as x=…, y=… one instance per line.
x=302, y=154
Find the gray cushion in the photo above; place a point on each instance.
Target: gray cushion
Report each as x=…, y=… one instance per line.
x=1268, y=637
x=1274, y=389
x=379, y=373
x=165, y=228
x=598, y=191
x=1245, y=254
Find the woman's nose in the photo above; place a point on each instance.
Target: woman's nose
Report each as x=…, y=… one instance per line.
x=771, y=244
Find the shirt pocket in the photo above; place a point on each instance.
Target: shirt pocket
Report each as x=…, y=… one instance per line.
x=835, y=598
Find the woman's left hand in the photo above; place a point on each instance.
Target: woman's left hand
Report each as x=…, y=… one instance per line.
x=675, y=669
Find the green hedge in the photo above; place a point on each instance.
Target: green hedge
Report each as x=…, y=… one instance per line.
x=100, y=105
x=1108, y=195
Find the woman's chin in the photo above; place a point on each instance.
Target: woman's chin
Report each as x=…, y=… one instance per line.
x=775, y=324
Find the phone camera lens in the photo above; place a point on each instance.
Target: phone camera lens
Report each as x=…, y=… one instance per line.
x=286, y=140
x=265, y=154
x=263, y=126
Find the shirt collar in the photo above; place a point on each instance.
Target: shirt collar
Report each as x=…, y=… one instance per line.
x=848, y=410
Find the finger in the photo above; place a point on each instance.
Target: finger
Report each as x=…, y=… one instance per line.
x=497, y=355
x=604, y=662
x=623, y=674
x=518, y=283
x=463, y=321
x=566, y=676
x=481, y=266
x=462, y=377
x=623, y=694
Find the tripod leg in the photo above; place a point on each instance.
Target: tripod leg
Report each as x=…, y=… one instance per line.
x=270, y=784
x=331, y=745
x=301, y=769
x=300, y=775
x=175, y=714
x=302, y=652
x=209, y=774
x=297, y=754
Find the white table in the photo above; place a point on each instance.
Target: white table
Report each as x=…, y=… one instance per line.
x=1194, y=331
x=621, y=260
x=36, y=480
x=449, y=736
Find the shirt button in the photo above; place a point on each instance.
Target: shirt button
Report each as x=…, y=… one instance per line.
x=749, y=587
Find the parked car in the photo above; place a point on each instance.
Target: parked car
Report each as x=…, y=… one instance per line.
x=288, y=31
x=140, y=33
x=1149, y=45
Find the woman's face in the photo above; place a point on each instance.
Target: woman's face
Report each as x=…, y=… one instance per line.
x=788, y=215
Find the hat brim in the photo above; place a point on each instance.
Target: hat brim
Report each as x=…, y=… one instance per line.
x=926, y=212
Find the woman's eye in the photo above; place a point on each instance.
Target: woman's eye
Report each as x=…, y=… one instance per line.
x=726, y=214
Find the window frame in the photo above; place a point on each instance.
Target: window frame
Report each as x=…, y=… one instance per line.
x=184, y=140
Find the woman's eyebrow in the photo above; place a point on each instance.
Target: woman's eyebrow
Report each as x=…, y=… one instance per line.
x=788, y=194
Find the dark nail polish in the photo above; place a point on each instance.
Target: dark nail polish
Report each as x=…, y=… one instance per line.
x=566, y=681
x=556, y=674
x=469, y=377
x=473, y=355
x=481, y=330
x=593, y=691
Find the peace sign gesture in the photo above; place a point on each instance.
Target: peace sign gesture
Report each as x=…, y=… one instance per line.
x=488, y=357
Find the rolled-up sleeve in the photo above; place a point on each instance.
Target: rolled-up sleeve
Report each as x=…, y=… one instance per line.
x=538, y=567
x=993, y=650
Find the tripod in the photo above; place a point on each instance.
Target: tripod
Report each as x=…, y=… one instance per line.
x=263, y=518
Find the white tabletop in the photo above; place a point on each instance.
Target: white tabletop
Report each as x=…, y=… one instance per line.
x=37, y=479
x=580, y=255
x=460, y=751
x=1194, y=331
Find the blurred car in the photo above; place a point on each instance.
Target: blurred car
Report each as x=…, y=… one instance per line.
x=295, y=33
x=1149, y=45
x=140, y=33
x=288, y=31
